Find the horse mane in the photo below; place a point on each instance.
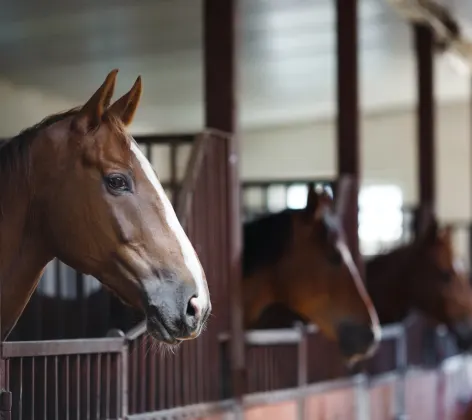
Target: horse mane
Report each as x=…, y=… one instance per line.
x=266, y=239
x=14, y=153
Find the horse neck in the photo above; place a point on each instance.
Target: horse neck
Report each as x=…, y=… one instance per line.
x=265, y=242
x=388, y=280
x=22, y=253
x=257, y=292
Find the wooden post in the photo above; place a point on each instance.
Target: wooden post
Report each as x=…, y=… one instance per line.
x=423, y=37
x=348, y=114
x=220, y=113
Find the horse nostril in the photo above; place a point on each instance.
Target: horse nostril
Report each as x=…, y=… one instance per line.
x=193, y=308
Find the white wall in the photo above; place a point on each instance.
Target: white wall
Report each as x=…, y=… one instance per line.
x=388, y=154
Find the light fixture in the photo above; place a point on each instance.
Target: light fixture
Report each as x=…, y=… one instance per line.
x=449, y=40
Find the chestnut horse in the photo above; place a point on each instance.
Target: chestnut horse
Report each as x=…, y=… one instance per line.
x=299, y=259
x=423, y=275
x=77, y=187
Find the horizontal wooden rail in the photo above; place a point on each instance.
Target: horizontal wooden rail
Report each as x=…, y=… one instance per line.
x=62, y=347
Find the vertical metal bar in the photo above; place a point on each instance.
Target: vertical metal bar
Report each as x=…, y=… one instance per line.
x=124, y=381
x=152, y=381
x=96, y=386
x=134, y=379
x=67, y=387
x=77, y=380
x=33, y=390
x=56, y=388
x=45, y=384
x=162, y=383
x=401, y=364
x=87, y=384
x=59, y=299
x=143, y=373
x=348, y=142
x=423, y=37
x=21, y=389
x=108, y=384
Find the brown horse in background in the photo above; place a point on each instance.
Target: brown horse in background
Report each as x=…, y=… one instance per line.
x=299, y=259
x=423, y=275
x=77, y=187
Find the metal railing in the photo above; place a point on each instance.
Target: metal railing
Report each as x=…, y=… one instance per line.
x=295, y=374
x=66, y=379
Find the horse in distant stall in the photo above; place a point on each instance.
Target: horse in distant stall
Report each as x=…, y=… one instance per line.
x=77, y=187
x=299, y=259
x=423, y=275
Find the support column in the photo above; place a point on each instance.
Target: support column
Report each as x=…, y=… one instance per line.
x=423, y=38
x=220, y=113
x=348, y=144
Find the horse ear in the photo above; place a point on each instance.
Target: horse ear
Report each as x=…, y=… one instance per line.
x=90, y=115
x=125, y=107
x=312, y=199
x=317, y=202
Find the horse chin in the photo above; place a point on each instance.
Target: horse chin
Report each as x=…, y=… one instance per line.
x=159, y=333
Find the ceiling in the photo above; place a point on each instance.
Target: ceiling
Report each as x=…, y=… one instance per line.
x=287, y=65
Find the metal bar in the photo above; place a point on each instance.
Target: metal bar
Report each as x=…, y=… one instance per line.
x=62, y=347
x=401, y=365
x=56, y=387
x=59, y=299
x=152, y=397
x=302, y=378
x=348, y=142
x=21, y=390
x=33, y=387
x=67, y=361
x=423, y=37
x=45, y=385
x=124, y=381
x=87, y=385
x=141, y=386
x=77, y=382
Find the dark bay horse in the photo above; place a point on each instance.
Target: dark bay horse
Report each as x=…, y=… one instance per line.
x=299, y=259
x=423, y=275
x=77, y=187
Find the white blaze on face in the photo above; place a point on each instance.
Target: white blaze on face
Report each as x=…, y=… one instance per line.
x=189, y=254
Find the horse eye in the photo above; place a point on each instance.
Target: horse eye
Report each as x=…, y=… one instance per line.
x=117, y=183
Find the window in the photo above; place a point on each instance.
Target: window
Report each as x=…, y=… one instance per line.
x=298, y=193
x=380, y=217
